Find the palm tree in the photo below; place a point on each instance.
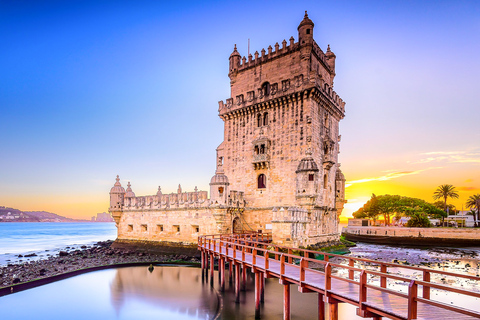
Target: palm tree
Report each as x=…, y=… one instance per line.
x=473, y=202
x=445, y=191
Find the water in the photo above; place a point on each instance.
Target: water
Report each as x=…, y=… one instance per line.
x=44, y=238
x=169, y=292
x=122, y=293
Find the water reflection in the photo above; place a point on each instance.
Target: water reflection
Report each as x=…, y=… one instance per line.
x=176, y=289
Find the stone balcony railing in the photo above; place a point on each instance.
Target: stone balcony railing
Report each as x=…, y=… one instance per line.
x=260, y=161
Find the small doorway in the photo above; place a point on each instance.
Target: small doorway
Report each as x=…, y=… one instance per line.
x=237, y=225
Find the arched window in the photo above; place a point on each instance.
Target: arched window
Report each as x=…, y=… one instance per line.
x=266, y=89
x=325, y=149
x=262, y=181
x=259, y=120
x=325, y=181
x=220, y=191
x=265, y=119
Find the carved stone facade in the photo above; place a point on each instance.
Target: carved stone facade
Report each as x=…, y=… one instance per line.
x=277, y=168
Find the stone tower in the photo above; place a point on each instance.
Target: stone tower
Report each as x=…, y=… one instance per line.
x=281, y=139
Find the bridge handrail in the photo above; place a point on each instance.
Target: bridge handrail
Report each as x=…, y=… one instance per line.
x=376, y=263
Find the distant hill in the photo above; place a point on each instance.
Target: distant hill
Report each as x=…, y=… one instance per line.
x=16, y=215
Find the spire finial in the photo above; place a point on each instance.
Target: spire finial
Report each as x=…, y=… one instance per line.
x=118, y=178
x=328, y=47
x=306, y=14
x=128, y=184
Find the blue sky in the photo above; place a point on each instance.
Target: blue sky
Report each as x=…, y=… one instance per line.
x=89, y=90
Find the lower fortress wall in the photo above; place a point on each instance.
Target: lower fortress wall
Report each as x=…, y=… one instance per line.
x=414, y=236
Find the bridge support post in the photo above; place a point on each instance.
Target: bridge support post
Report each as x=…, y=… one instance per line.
x=321, y=307
x=333, y=310
x=237, y=283
x=221, y=266
x=286, y=302
x=230, y=272
x=262, y=287
x=257, y=294
x=212, y=259
x=244, y=277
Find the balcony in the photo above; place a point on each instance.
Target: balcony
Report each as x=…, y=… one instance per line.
x=328, y=161
x=260, y=161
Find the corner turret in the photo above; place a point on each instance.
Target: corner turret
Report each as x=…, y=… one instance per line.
x=234, y=62
x=331, y=60
x=117, y=195
x=305, y=31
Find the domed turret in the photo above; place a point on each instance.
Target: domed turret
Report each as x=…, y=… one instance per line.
x=117, y=187
x=219, y=188
x=305, y=30
x=129, y=193
x=331, y=59
x=219, y=178
x=117, y=193
x=234, y=60
x=307, y=177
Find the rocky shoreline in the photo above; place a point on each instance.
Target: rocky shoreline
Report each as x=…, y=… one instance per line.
x=99, y=254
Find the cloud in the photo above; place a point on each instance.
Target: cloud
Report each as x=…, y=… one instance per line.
x=468, y=188
x=450, y=157
x=389, y=176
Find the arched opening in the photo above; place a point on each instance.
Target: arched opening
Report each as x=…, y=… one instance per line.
x=237, y=225
x=259, y=120
x=265, y=119
x=325, y=181
x=262, y=181
x=262, y=149
x=325, y=149
x=266, y=88
x=220, y=191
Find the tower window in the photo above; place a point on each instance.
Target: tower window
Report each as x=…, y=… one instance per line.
x=311, y=177
x=220, y=191
x=266, y=88
x=259, y=120
x=325, y=180
x=265, y=119
x=144, y=227
x=308, y=31
x=159, y=227
x=262, y=181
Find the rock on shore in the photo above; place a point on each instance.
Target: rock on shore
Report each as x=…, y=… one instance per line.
x=66, y=261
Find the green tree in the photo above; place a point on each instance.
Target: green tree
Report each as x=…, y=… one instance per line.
x=397, y=206
x=445, y=191
x=441, y=205
x=473, y=202
x=419, y=220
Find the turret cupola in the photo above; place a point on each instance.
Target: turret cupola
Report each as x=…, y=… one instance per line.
x=305, y=31
x=307, y=178
x=129, y=193
x=117, y=193
x=234, y=61
x=331, y=59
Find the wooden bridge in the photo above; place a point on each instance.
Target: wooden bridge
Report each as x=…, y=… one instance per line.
x=370, y=290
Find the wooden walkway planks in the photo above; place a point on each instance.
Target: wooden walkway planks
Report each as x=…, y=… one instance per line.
x=378, y=302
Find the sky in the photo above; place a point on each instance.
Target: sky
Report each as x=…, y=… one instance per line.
x=92, y=89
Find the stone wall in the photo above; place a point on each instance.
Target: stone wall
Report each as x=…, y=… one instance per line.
x=454, y=233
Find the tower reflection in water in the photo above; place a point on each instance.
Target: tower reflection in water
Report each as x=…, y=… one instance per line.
x=177, y=290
